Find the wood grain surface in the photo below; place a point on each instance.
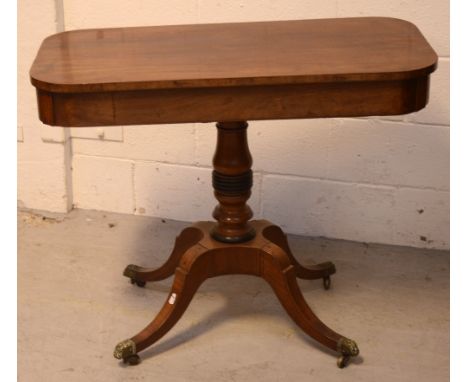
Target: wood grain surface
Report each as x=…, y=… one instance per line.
x=267, y=256
x=232, y=54
x=345, y=67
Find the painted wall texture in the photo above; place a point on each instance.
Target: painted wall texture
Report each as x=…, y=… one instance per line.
x=379, y=179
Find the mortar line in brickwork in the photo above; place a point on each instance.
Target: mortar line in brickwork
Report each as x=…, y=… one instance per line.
x=402, y=122
x=260, y=191
x=374, y=185
x=133, y=188
x=437, y=125
x=194, y=165
x=68, y=163
x=197, y=142
x=330, y=131
x=107, y=157
x=59, y=16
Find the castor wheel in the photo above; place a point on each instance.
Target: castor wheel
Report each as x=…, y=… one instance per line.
x=126, y=351
x=132, y=360
x=326, y=282
x=343, y=361
x=139, y=283
x=348, y=348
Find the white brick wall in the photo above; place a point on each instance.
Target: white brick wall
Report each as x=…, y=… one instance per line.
x=369, y=179
x=43, y=152
x=103, y=182
x=353, y=211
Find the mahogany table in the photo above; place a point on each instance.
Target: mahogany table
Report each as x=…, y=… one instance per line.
x=232, y=73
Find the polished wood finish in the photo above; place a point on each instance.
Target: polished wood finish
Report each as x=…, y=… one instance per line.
x=345, y=99
x=233, y=245
x=232, y=182
x=233, y=73
x=232, y=54
x=228, y=72
x=186, y=239
x=267, y=255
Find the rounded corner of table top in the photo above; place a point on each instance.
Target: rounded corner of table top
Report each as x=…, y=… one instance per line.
x=393, y=20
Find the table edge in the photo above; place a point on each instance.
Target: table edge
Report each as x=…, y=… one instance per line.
x=232, y=82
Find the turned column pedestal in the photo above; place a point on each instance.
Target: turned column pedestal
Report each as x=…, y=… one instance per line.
x=232, y=182
x=233, y=245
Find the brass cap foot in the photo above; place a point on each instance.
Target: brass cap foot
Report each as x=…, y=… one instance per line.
x=125, y=349
x=348, y=348
x=130, y=271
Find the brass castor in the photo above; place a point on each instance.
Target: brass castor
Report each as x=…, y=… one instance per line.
x=126, y=351
x=343, y=361
x=132, y=360
x=348, y=348
x=326, y=282
x=139, y=283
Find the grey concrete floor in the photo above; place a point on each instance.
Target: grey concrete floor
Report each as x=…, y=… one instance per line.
x=74, y=306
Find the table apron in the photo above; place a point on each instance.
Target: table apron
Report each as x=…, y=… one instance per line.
x=247, y=103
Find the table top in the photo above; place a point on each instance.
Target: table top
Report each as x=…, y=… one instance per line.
x=344, y=67
x=232, y=54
